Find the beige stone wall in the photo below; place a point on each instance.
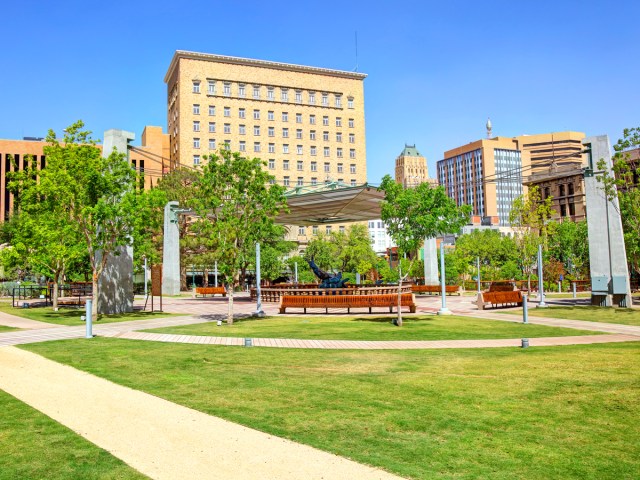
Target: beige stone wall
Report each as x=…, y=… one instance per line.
x=300, y=165
x=411, y=171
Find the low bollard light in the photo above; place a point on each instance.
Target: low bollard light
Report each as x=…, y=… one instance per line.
x=525, y=343
x=219, y=323
x=89, y=319
x=525, y=310
x=248, y=342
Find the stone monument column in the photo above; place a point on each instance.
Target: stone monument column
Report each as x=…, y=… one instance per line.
x=171, y=251
x=430, y=262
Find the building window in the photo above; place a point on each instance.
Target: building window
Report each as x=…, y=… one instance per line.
x=352, y=153
x=227, y=128
x=312, y=135
x=196, y=159
x=285, y=133
x=325, y=121
x=339, y=152
x=256, y=92
x=301, y=230
x=327, y=167
x=242, y=129
x=325, y=136
x=285, y=148
x=570, y=188
x=272, y=181
x=562, y=190
x=272, y=164
x=352, y=138
x=563, y=210
x=314, y=181
x=270, y=115
x=227, y=89
x=211, y=89
x=338, y=121
x=227, y=111
x=272, y=148
x=338, y=101
x=338, y=137
x=314, y=166
x=341, y=228
x=572, y=209
x=212, y=111
x=212, y=144
x=196, y=109
x=299, y=149
x=327, y=151
x=351, y=123
x=243, y=146
x=256, y=114
x=340, y=168
x=314, y=229
x=270, y=94
x=352, y=168
x=300, y=181
x=285, y=182
x=285, y=117
x=227, y=145
x=300, y=165
x=196, y=88
x=256, y=130
x=325, y=99
x=312, y=119
x=298, y=96
x=196, y=126
x=271, y=131
x=299, y=134
x=241, y=113
x=327, y=229
x=546, y=192
x=241, y=90
x=350, y=102
x=313, y=152
x=312, y=98
x=284, y=94
x=256, y=146
x=353, y=182
x=196, y=143
x=298, y=118
x=212, y=127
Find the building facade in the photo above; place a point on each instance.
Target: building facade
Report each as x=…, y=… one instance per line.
x=306, y=123
x=486, y=174
x=551, y=151
x=411, y=167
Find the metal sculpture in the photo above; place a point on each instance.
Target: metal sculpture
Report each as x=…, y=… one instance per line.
x=328, y=280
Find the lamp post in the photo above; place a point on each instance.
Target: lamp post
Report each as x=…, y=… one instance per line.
x=259, y=312
x=478, y=267
x=443, y=310
x=541, y=303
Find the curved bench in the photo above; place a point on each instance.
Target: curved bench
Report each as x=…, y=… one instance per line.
x=437, y=289
x=346, y=301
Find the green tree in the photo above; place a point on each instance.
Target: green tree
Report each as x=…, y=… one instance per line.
x=529, y=217
x=413, y=214
x=323, y=252
x=237, y=206
x=305, y=274
x=622, y=184
x=354, y=250
x=570, y=244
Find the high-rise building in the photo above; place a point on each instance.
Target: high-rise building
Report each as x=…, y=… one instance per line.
x=486, y=174
x=411, y=167
x=549, y=151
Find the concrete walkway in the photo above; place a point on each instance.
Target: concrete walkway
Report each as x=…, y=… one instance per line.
x=159, y=438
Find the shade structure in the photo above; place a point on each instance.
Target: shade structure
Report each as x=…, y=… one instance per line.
x=331, y=203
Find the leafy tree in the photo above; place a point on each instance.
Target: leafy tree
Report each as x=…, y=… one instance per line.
x=323, y=252
x=413, y=214
x=305, y=274
x=529, y=217
x=237, y=206
x=570, y=244
x=623, y=184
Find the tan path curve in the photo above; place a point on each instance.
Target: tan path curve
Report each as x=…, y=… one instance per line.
x=378, y=345
x=159, y=438
x=9, y=320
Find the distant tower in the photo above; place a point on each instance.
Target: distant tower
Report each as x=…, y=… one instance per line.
x=411, y=167
x=489, y=126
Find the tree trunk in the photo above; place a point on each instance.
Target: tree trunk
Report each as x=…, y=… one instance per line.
x=230, y=303
x=54, y=294
x=183, y=278
x=205, y=277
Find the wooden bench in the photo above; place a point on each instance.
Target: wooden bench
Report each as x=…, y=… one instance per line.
x=346, y=301
x=511, y=298
x=204, y=291
x=437, y=289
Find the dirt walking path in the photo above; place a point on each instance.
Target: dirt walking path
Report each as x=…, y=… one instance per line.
x=159, y=438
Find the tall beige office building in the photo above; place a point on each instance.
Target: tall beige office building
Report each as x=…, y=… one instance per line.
x=411, y=167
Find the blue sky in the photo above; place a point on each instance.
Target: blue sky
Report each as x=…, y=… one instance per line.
x=436, y=70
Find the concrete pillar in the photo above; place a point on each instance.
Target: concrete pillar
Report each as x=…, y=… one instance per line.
x=430, y=262
x=116, y=281
x=171, y=251
x=607, y=253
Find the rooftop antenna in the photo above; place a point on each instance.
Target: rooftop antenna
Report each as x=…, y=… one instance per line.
x=489, y=128
x=356, y=69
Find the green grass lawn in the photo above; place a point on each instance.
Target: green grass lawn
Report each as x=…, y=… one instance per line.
x=625, y=316
x=538, y=413
x=34, y=446
x=431, y=327
x=71, y=316
x=7, y=329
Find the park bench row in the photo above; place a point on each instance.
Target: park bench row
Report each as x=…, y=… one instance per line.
x=508, y=298
x=204, y=291
x=347, y=301
x=435, y=289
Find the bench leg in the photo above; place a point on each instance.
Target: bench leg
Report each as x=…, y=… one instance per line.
x=412, y=308
x=283, y=309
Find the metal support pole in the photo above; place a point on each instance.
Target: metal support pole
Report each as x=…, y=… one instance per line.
x=525, y=310
x=424, y=259
x=478, y=266
x=573, y=288
x=259, y=312
x=295, y=265
x=559, y=287
x=89, y=319
x=443, y=310
x=146, y=278
x=216, y=274
x=540, y=279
